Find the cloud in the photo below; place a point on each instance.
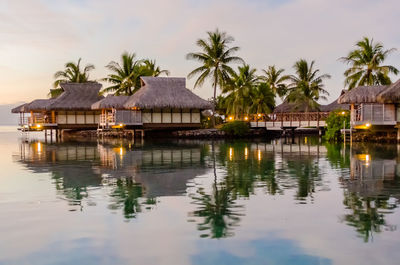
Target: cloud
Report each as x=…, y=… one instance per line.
x=50, y=33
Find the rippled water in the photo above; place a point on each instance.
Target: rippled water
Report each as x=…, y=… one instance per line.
x=198, y=202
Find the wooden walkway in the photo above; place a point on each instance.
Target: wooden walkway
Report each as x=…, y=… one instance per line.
x=282, y=121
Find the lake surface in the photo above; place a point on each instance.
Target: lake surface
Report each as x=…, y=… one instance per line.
x=286, y=201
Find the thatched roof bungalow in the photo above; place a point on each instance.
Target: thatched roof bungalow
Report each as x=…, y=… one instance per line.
x=166, y=92
x=161, y=102
x=72, y=109
x=372, y=106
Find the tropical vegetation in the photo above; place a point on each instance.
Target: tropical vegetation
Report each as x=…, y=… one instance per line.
x=367, y=65
x=125, y=75
x=215, y=58
x=72, y=73
x=306, y=87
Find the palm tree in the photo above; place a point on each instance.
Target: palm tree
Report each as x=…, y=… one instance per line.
x=125, y=76
x=275, y=80
x=263, y=99
x=72, y=73
x=215, y=57
x=239, y=88
x=306, y=87
x=366, y=65
x=153, y=69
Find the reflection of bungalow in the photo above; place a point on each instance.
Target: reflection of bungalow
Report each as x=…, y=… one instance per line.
x=71, y=110
x=162, y=171
x=373, y=106
x=161, y=102
x=372, y=176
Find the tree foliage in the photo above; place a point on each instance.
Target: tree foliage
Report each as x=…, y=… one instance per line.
x=72, y=73
x=366, y=67
x=335, y=122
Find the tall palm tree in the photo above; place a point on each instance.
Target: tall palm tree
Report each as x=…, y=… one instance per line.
x=239, y=88
x=125, y=76
x=306, y=86
x=72, y=73
x=276, y=80
x=262, y=98
x=366, y=65
x=215, y=57
x=153, y=69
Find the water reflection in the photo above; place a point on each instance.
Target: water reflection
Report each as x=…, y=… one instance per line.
x=219, y=176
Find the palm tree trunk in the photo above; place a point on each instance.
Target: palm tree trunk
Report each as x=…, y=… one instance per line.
x=214, y=99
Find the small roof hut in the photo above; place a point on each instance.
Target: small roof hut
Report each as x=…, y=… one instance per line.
x=111, y=102
x=77, y=96
x=35, y=105
x=165, y=92
x=391, y=94
x=361, y=94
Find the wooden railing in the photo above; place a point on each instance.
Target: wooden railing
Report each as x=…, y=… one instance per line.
x=36, y=119
x=290, y=116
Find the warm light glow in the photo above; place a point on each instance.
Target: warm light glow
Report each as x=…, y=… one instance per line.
x=230, y=153
x=305, y=140
x=39, y=147
x=365, y=157
x=246, y=118
x=230, y=118
x=38, y=125
x=368, y=125
x=121, y=151
x=343, y=112
x=259, y=155
x=259, y=115
x=246, y=152
x=121, y=125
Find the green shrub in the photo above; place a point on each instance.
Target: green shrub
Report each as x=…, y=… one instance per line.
x=335, y=122
x=236, y=128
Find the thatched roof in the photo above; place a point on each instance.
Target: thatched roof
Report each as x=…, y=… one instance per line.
x=36, y=105
x=165, y=92
x=291, y=107
x=109, y=102
x=334, y=106
x=391, y=94
x=77, y=96
x=19, y=108
x=361, y=94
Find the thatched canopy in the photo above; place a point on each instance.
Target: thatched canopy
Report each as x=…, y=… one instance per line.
x=77, y=96
x=334, y=106
x=391, y=94
x=19, y=108
x=109, y=102
x=165, y=92
x=291, y=107
x=361, y=94
x=36, y=105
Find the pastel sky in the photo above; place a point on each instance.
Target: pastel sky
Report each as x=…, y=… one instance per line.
x=37, y=37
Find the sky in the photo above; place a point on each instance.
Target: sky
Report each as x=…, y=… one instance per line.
x=37, y=37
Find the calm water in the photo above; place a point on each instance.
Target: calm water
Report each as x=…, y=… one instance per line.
x=198, y=202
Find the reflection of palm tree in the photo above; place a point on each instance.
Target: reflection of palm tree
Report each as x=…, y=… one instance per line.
x=307, y=174
x=127, y=194
x=217, y=209
x=366, y=214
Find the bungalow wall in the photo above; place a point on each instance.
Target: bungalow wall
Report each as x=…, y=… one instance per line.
x=77, y=117
x=375, y=114
x=175, y=116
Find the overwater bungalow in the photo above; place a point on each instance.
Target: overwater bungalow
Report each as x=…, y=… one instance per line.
x=71, y=110
x=161, y=103
x=373, y=106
